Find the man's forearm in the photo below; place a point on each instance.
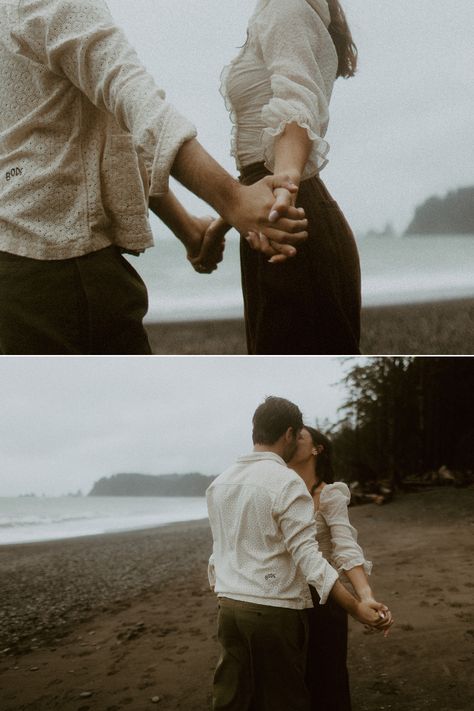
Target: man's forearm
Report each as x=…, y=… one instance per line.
x=343, y=598
x=201, y=174
x=173, y=214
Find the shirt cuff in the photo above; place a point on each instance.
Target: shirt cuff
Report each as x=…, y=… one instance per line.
x=330, y=578
x=354, y=562
x=319, y=150
x=176, y=131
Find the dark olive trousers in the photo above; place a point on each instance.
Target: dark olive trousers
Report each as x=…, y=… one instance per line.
x=93, y=304
x=310, y=304
x=327, y=677
x=263, y=658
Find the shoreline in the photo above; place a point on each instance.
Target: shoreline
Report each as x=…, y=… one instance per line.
x=79, y=537
x=425, y=328
x=116, y=621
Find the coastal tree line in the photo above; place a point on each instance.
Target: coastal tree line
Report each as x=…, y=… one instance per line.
x=405, y=417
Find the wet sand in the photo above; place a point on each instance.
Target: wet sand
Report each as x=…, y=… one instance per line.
x=126, y=621
x=441, y=328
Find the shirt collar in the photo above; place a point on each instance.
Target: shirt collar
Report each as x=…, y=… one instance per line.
x=262, y=456
x=322, y=8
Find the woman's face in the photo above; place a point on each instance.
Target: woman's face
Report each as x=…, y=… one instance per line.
x=305, y=448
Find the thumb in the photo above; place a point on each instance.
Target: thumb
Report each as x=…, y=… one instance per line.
x=283, y=201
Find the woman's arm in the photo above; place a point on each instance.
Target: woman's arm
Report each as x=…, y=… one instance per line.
x=359, y=581
x=348, y=556
x=292, y=149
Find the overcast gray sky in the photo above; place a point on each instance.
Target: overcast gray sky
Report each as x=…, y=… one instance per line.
x=400, y=131
x=69, y=421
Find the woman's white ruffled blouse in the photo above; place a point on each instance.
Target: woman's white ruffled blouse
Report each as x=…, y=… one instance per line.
x=284, y=74
x=336, y=536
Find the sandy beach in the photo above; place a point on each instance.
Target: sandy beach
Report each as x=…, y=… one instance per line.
x=441, y=328
x=126, y=621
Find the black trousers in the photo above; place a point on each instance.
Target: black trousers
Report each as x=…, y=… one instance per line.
x=327, y=677
x=93, y=304
x=263, y=659
x=309, y=305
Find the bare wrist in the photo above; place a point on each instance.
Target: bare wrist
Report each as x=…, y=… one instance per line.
x=228, y=200
x=294, y=175
x=365, y=595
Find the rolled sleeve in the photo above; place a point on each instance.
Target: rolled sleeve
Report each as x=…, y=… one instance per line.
x=299, y=92
x=78, y=39
x=295, y=514
x=211, y=572
x=346, y=552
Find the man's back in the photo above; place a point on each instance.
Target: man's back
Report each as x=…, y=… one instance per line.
x=247, y=510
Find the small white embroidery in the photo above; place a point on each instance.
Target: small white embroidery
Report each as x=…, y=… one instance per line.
x=13, y=173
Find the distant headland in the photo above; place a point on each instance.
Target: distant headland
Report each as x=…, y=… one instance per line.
x=451, y=214
x=129, y=484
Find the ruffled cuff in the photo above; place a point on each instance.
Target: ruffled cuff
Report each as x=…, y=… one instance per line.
x=317, y=158
x=354, y=562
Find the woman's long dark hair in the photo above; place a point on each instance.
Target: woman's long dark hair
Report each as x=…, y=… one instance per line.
x=342, y=38
x=324, y=471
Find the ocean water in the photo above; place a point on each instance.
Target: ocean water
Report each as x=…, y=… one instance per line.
x=395, y=270
x=29, y=519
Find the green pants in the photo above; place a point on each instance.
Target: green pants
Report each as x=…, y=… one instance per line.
x=263, y=658
x=90, y=305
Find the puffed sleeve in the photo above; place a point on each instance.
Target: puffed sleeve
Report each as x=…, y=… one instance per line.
x=288, y=34
x=294, y=511
x=79, y=39
x=346, y=552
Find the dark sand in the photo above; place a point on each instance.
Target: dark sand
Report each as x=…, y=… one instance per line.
x=128, y=617
x=442, y=328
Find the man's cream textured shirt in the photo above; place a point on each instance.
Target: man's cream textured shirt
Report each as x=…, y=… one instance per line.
x=85, y=134
x=264, y=531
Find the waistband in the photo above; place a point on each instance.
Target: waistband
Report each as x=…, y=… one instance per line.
x=253, y=606
x=256, y=171
x=253, y=171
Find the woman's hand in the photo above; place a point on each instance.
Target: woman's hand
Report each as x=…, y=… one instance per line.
x=206, y=248
x=283, y=209
x=383, y=620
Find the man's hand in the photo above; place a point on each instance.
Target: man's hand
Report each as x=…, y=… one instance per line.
x=205, y=244
x=210, y=251
x=283, y=207
x=374, y=615
x=247, y=208
x=255, y=210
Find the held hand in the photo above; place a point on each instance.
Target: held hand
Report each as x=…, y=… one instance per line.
x=287, y=227
x=207, y=251
x=386, y=619
x=283, y=209
x=374, y=614
x=212, y=247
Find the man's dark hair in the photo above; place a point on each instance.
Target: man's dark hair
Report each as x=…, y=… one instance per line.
x=272, y=419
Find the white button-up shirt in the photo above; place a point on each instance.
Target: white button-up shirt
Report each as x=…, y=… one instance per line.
x=85, y=133
x=264, y=531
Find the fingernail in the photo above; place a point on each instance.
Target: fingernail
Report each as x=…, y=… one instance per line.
x=273, y=216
